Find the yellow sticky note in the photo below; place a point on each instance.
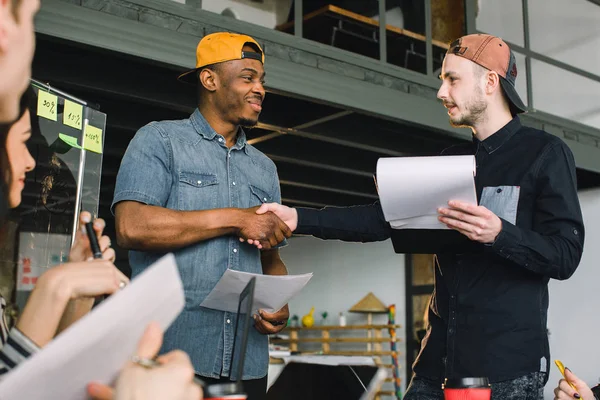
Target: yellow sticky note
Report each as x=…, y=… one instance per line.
x=47, y=105
x=73, y=114
x=92, y=139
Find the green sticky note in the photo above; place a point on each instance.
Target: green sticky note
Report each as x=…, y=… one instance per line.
x=73, y=114
x=92, y=139
x=70, y=140
x=47, y=105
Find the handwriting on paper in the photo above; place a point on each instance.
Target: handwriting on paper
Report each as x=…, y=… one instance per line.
x=73, y=114
x=92, y=139
x=47, y=105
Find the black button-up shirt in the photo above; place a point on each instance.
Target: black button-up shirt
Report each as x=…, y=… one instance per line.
x=489, y=308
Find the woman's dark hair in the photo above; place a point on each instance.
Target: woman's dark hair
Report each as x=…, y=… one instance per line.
x=24, y=105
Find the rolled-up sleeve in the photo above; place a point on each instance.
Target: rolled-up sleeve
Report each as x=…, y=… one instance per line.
x=17, y=349
x=145, y=171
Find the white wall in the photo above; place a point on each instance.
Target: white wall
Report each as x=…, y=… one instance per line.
x=267, y=13
x=343, y=274
x=568, y=31
x=573, y=318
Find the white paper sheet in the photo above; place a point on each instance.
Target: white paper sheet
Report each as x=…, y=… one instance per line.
x=411, y=189
x=270, y=293
x=96, y=347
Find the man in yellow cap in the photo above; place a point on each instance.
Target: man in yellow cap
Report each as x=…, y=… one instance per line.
x=192, y=187
x=488, y=313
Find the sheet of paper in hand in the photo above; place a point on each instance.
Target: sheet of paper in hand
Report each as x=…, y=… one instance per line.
x=96, y=347
x=271, y=293
x=411, y=189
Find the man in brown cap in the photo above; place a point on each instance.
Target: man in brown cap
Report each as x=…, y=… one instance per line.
x=488, y=313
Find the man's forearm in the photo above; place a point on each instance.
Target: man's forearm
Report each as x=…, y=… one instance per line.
x=365, y=223
x=42, y=313
x=272, y=264
x=144, y=227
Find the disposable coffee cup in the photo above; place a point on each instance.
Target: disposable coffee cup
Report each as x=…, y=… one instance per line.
x=225, y=391
x=467, y=389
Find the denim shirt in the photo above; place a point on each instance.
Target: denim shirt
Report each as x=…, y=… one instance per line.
x=185, y=165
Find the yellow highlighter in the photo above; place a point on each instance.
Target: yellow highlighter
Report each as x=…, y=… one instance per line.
x=561, y=368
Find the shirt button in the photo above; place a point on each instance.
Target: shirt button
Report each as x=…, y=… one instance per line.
x=228, y=321
x=199, y=182
x=235, y=250
x=221, y=140
x=499, y=190
x=265, y=199
x=575, y=231
x=233, y=183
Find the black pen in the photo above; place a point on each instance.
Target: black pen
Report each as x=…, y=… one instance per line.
x=94, y=245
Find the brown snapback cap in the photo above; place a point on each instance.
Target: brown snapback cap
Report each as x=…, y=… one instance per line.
x=492, y=53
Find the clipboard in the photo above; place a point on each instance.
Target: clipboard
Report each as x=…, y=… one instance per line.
x=432, y=241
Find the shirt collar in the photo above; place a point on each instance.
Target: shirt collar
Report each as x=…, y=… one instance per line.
x=496, y=140
x=207, y=132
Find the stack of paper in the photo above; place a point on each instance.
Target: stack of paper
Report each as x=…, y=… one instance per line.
x=411, y=189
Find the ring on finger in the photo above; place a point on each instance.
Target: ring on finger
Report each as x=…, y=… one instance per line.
x=144, y=362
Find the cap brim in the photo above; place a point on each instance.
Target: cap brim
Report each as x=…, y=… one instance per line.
x=517, y=104
x=188, y=77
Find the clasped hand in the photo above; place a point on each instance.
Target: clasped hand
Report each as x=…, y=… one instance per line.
x=263, y=230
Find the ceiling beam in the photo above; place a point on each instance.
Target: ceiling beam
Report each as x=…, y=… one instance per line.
x=312, y=204
x=312, y=164
x=322, y=120
x=327, y=189
x=327, y=139
x=274, y=134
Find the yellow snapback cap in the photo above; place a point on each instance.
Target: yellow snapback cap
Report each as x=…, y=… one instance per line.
x=220, y=47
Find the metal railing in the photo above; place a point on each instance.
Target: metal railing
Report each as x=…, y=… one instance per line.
x=470, y=26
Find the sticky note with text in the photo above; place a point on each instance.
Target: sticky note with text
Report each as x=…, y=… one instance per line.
x=47, y=105
x=73, y=114
x=92, y=139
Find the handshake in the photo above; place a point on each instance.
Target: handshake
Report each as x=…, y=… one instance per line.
x=268, y=225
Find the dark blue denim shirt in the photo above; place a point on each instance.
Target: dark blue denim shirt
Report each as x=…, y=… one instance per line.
x=185, y=165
